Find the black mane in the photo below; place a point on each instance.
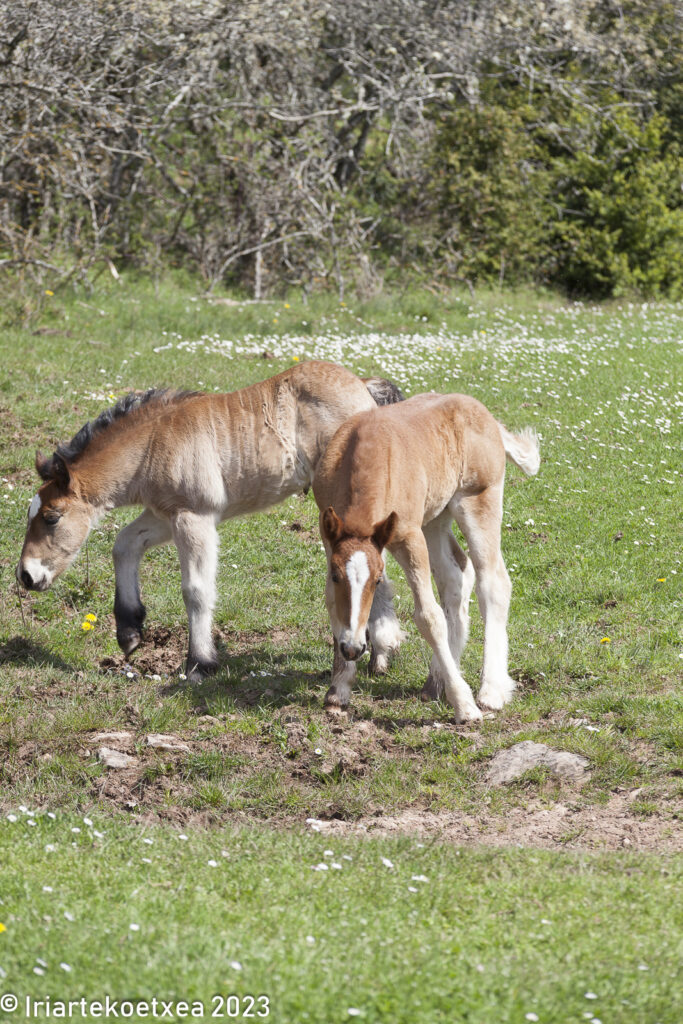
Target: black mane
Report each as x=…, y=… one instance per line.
x=67, y=451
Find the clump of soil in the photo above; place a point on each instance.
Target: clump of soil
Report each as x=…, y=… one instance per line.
x=162, y=652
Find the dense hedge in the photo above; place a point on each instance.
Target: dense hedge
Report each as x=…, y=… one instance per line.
x=513, y=202
x=305, y=142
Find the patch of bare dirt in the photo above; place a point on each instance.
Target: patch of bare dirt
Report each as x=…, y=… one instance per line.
x=162, y=652
x=309, y=536
x=307, y=751
x=350, y=749
x=611, y=826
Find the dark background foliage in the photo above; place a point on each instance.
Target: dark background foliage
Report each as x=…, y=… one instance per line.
x=272, y=143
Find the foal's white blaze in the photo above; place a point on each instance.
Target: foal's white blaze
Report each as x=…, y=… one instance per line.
x=357, y=573
x=34, y=507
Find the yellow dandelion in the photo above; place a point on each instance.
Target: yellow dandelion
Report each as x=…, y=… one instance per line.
x=662, y=579
x=86, y=626
x=286, y=305
x=90, y=617
x=2, y=928
x=48, y=292
x=295, y=359
x=605, y=640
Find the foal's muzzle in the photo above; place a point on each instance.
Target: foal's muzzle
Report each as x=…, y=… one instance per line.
x=28, y=582
x=24, y=578
x=351, y=652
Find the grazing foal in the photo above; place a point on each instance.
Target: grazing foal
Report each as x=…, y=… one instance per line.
x=192, y=460
x=396, y=478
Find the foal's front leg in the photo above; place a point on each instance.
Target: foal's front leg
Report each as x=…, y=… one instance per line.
x=454, y=575
x=197, y=542
x=147, y=531
x=343, y=671
x=413, y=557
x=343, y=678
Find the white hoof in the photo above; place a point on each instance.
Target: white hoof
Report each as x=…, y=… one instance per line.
x=496, y=695
x=468, y=714
x=379, y=663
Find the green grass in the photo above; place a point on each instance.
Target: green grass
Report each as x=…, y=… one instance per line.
x=592, y=543
x=593, y=547
x=478, y=935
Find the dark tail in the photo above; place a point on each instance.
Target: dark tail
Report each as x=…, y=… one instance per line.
x=385, y=392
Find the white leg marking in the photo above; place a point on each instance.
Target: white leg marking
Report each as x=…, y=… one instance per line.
x=413, y=558
x=454, y=585
x=197, y=542
x=480, y=522
x=431, y=622
x=493, y=594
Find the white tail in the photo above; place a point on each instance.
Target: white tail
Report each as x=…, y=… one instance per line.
x=522, y=449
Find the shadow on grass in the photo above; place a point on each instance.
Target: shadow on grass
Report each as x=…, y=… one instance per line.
x=260, y=677
x=20, y=651
x=240, y=680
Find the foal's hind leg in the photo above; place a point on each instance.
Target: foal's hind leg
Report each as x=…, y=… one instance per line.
x=384, y=628
x=197, y=542
x=147, y=531
x=479, y=517
x=413, y=556
x=454, y=575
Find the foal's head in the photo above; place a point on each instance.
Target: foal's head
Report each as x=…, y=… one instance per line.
x=59, y=520
x=355, y=567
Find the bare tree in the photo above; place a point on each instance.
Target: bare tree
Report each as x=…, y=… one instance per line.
x=240, y=133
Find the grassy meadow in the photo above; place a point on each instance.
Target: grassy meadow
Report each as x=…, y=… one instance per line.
x=266, y=786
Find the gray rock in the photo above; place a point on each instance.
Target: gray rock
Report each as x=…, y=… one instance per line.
x=510, y=764
x=115, y=758
x=161, y=741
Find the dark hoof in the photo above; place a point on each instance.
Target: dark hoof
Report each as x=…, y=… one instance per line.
x=198, y=670
x=128, y=639
x=334, y=700
x=432, y=689
x=129, y=622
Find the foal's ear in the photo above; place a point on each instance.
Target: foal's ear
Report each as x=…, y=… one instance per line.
x=43, y=467
x=384, y=531
x=332, y=525
x=54, y=468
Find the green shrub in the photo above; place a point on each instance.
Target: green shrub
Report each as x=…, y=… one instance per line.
x=488, y=185
x=620, y=223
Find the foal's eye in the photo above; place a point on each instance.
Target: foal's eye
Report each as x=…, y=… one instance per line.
x=51, y=517
x=334, y=576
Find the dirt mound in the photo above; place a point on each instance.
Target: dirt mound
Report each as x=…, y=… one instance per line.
x=607, y=827
x=163, y=652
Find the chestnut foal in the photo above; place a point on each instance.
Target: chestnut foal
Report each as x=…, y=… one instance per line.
x=396, y=478
x=192, y=460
